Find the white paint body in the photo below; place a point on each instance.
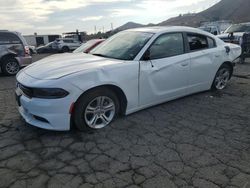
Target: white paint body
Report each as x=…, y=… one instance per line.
x=142, y=84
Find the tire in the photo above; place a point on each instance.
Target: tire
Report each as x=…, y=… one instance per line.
x=222, y=77
x=88, y=115
x=10, y=66
x=65, y=49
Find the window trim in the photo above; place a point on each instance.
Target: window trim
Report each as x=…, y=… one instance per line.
x=178, y=32
x=215, y=44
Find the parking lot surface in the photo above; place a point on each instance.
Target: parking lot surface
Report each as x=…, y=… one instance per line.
x=201, y=140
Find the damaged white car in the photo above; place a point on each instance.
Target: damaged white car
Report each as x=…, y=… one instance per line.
x=130, y=71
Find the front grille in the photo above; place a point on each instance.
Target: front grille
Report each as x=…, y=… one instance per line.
x=26, y=90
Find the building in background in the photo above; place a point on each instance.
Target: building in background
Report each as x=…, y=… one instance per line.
x=38, y=40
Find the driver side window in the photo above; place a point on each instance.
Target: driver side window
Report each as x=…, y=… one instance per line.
x=167, y=45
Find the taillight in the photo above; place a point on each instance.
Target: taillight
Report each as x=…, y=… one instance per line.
x=27, y=50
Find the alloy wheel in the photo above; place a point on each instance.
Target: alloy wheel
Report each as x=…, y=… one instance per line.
x=99, y=112
x=12, y=67
x=222, y=78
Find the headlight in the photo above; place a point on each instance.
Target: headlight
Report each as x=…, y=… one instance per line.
x=49, y=93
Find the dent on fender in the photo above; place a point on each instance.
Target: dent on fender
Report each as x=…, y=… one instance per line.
x=93, y=79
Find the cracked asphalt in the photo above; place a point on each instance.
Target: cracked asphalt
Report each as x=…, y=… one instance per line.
x=202, y=141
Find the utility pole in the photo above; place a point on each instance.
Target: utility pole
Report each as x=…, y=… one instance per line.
x=95, y=29
x=112, y=27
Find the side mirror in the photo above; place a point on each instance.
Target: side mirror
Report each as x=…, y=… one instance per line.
x=146, y=56
x=215, y=32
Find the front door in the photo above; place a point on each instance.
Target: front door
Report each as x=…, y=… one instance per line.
x=165, y=75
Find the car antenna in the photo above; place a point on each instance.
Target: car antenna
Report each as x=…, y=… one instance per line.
x=152, y=65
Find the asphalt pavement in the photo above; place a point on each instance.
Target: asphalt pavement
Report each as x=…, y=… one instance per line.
x=202, y=141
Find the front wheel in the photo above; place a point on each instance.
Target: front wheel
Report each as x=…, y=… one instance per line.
x=222, y=77
x=10, y=66
x=96, y=109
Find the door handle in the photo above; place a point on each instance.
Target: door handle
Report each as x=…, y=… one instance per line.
x=184, y=64
x=217, y=55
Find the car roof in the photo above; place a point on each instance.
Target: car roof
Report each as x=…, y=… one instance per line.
x=7, y=31
x=96, y=40
x=162, y=29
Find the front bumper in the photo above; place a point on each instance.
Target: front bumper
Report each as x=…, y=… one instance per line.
x=51, y=114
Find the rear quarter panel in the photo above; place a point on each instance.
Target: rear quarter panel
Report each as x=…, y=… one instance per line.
x=235, y=51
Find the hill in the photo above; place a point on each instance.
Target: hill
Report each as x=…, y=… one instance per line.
x=235, y=10
x=129, y=25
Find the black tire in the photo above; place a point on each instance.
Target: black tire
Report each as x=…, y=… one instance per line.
x=65, y=49
x=85, y=100
x=6, y=66
x=214, y=86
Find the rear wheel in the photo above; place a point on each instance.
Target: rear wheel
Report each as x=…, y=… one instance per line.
x=96, y=109
x=222, y=77
x=10, y=66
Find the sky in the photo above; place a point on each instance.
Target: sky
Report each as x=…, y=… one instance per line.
x=58, y=16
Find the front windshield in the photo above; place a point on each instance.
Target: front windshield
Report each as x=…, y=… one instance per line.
x=85, y=46
x=125, y=45
x=238, y=28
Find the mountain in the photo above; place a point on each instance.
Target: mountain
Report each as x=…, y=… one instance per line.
x=235, y=10
x=192, y=20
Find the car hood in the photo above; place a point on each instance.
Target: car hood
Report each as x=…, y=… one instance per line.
x=60, y=65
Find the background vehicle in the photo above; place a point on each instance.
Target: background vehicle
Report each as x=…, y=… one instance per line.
x=32, y=50
x=235, y=32
x=48, y=48
x=14, y=52
x=130, y=71
x=88, y=46
x=219, y=26
x=213, y=29
x=67, y=44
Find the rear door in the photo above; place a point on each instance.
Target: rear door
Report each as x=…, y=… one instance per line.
x=204, y=60
x=72, y=44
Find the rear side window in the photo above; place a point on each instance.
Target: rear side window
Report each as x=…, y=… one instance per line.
x=9, y=38
x=197, y=42
x=167, y=45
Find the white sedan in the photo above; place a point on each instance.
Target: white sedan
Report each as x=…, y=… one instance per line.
x=130, y=71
